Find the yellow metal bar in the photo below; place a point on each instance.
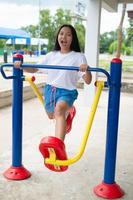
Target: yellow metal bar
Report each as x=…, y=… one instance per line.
x=35, y=89
x=53, y=157
x=100, y=85
x=52, y=154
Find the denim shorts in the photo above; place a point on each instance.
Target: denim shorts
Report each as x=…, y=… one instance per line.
x=52, y=95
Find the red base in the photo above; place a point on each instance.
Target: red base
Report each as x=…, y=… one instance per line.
x=17, y=173
x=59, y=148
x=108, y=191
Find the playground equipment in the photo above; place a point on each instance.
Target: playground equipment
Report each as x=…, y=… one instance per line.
x=51, y=158
x=53, y=148
x=108, y=188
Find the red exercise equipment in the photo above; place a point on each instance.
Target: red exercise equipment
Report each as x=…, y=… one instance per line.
x=17, y=173
x=53, y=144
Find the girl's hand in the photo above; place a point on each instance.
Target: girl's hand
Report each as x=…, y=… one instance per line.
x=87, y=76
x=17, y=64
x=83, y=67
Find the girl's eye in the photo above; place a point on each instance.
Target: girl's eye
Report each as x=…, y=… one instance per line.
x=69, y=34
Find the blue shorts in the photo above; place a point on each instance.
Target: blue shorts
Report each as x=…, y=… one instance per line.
x=52, y=95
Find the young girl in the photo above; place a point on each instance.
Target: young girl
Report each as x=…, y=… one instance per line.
x=60, y=90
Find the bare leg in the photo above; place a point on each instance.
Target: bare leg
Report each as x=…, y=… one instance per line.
x=60, y=117
x=50, y=115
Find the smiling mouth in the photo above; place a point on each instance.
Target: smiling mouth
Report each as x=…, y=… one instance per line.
x=64, y=43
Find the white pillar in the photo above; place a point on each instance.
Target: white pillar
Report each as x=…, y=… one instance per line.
x=92, y=43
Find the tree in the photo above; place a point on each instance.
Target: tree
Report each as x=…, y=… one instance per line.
x=106, y=39
x=80, y=29
x=129, y=31
x=2, y=43
x=33, y=30
x=49, y=24
x=46, y=27
x=62, y=17
x=130, y=35
x=113, y=47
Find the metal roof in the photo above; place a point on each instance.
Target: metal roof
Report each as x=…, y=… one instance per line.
x=6, y=33
x=112, y=5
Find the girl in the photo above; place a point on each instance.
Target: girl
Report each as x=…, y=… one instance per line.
x=60, y=90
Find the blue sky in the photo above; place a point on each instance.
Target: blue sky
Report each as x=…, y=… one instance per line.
x=14, y=15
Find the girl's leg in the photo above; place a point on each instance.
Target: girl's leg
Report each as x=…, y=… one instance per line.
x=50, y=115
x=60, y=117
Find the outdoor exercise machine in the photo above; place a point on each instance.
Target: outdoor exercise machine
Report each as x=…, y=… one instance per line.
x=52, y=148
x=108, y=188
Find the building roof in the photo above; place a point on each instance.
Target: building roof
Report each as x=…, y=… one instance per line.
x=112, y=5
x=33, y=41
x=13, y=34
x=6, y=33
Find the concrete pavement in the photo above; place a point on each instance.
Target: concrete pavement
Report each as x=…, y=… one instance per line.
x=78, y=182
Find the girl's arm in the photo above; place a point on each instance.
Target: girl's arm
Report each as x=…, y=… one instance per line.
x=87, y=76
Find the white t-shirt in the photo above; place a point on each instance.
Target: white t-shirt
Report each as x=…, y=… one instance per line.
x=66, y=79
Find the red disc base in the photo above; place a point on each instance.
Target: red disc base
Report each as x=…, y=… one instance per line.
x=108, y=191
x=17, y=173
x=59, y=148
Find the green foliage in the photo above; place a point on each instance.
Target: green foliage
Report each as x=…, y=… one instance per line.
x=47, y=28
x=113, y=47
x=129, y=38
x=31, y=29
x=2, y=43
x=62, y=17
x=106, y=39
x=49, y=24
x=105, y=64
x=128, y=51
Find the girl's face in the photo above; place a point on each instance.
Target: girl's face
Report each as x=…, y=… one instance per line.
x=65, y=39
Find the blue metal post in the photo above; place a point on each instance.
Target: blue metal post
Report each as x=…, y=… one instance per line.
x=17, y=171
x=17, y=118
x=108, y=188
x=112, y=121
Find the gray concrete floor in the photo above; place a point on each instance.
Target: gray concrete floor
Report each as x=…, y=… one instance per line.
x=78, y=181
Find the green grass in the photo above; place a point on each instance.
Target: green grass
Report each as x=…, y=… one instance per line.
x=126, y=65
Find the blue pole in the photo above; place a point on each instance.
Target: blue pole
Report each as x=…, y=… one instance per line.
x=112, y=121
x=17, y=118
x=109, y=188
x=17, y=171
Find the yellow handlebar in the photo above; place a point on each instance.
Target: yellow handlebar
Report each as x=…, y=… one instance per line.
x=35, y=89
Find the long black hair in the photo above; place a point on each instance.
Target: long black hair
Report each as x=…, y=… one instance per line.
x=75, y=42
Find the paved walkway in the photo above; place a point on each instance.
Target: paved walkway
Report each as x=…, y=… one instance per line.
x=78, y=182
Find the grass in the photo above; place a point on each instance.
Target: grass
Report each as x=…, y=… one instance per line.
x=127, y=65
